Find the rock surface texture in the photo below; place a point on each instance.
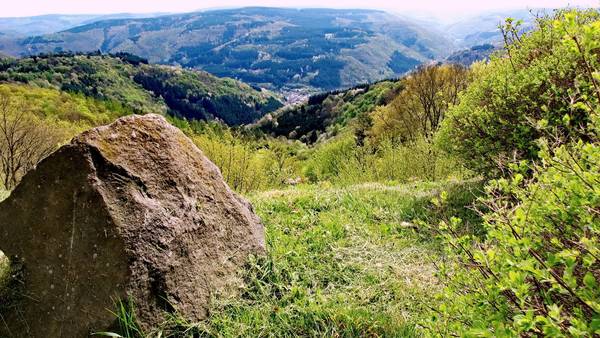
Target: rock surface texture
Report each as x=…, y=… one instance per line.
x=132, y=210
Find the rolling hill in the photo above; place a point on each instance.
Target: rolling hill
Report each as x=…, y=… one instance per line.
x=324, y=113
x=483, y=28
x=130, y=84
x=275, y=48
x=52, y=23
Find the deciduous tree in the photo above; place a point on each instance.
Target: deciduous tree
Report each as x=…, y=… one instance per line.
x=25, y=139
x=420, y=108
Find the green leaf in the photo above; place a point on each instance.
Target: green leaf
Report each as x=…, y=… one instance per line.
x=595, y=325
x=590, y=281
x=554, y=312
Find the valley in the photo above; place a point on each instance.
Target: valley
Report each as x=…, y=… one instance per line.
x=283, y=172
x=289, y=50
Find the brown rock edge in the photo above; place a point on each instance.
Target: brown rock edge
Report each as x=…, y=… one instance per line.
x=130, y=210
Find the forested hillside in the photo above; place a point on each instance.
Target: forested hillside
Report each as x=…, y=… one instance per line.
x=467, y=57
x=269, y=47
x=410, y=104
x=324, y=114
x=129, y=81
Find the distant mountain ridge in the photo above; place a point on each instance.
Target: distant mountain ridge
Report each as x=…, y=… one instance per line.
x=277, y=48
x=53, y=23
x=484, y=28
x=294, y=51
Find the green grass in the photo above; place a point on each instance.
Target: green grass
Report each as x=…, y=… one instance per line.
x=341, y=262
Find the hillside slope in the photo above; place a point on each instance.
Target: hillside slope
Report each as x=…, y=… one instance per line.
x=130, y=82
x=57, y=106
x=322, y=113
x=268, y=47
x=467, y=57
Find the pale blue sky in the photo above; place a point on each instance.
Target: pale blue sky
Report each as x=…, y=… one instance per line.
x=435, y=7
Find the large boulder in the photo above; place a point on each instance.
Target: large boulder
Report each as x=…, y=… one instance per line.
x=130, y=211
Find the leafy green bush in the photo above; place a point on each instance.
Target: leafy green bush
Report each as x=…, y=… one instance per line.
x=341, y=161
x=329, y=159
x=248, y=163
x=543, y=84
x=537, y=271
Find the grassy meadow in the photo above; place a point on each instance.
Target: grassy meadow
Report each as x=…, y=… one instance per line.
x=341, y=262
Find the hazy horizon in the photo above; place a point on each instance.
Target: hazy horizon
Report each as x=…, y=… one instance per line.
x=441, y=9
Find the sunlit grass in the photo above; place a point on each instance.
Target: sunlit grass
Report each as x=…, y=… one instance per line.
x=341, y=262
